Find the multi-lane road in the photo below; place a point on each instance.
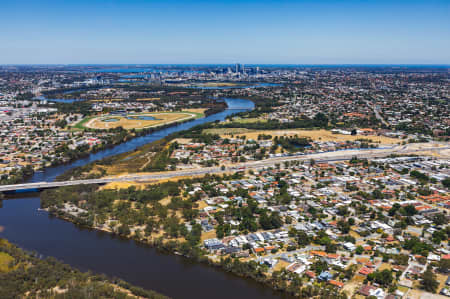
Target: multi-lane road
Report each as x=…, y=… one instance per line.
x=319, y=157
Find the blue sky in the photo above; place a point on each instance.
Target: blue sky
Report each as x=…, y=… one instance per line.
x=260, y=32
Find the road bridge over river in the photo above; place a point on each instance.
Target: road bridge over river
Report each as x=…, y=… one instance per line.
x=319, y=157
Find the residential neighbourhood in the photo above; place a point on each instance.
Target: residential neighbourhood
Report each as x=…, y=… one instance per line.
x=225, y=149
x=341, y=226
x=328, y=233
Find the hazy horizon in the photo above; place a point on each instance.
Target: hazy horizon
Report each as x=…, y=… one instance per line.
x=228, y=64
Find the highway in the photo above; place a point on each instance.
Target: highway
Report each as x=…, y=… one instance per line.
x=318, y=157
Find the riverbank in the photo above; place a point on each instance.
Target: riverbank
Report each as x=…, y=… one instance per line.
x=19, y=270
x=102, y=252
x=245, y=270
x=284, y=284
x=134, y=262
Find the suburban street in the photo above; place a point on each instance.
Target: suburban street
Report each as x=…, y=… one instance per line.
x=377, y=113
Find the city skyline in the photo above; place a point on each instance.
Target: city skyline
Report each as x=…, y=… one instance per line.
x=226, y=32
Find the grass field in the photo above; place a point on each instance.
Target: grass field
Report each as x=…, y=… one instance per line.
x=134, y=121
x=317, y=135
x=80, y=125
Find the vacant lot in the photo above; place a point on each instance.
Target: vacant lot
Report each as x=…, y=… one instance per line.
x=419, y=294
x=141, y=184
x=138, y=121
x=317, y=135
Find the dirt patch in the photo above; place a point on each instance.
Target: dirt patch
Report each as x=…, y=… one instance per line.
x=418, y=294
x=443, y=154
x=202, y=204
x=142, y=184
x=196, y=110
x=208, y=235
x=384, y=266
x=280, y=265
x=351, y=287
x=123, y=185
x=165, y=201
x=182, y=140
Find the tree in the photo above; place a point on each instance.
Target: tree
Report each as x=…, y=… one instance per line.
x=303, y=239
x=321, y=120
x=124, y=230
x=439, y=219
x=417, y=247
x=446, y=182
x=295, y=285
x=394, y=209
x=422, y=177
x=444, y=265
x=275, y=220
x=377, y=194
x=319, y=266
x=264, y=221
x=343, y=226
x=331, y=247
x=409, y=210
x=219, y=232
x=359, y=250
x=429, y=282
x=382, y=277
x=342, y=211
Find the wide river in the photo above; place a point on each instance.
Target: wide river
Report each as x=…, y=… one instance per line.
x=101, y=252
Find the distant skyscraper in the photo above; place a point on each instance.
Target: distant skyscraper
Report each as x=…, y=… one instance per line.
x=239, y=68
